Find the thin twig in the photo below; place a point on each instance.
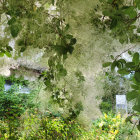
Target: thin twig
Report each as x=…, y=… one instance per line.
x=124, y=52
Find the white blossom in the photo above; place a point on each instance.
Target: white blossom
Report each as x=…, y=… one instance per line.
x=38, y=5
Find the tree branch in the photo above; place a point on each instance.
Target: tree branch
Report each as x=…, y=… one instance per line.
x=124, y=52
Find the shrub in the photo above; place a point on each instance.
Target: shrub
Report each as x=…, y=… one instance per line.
x=34, y=126
x=105, y=107
x=113, y=85
x=110, y=127
x=12, y=106
x=46, y=127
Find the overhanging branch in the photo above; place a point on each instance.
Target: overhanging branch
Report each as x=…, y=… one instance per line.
x=124, y=52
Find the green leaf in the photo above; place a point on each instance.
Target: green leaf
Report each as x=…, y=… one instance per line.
x=22, y=49
x=2, y=50
x=137, y=76
x=63, y=72
x=130, y=65
x=1, y=54
x=136, y=58
x=9, y=48
x=138, y=99
x=119, y=65
x=139, y=7
x=131, y=12
x=15, y=29
x=122, y=61
x=113, y=23
x=47, y=5
x=136, y=87
x=11, y=21
x=136, y=108
x=21, y=42
x=132, y=27
x=122, y=40
x=59, y=67
x=107, y=64
x=113, y=65
x=112, y=57
x=8, y=54
x=138, y=126
x=67, y=27
x=73, y=41
x=51, y=62
x=128, y=119
x=138, y=30
x=70, y=49
x=107, y=13
x=53, y=2
x=106, y=73
x=132, y=95
x=137, y=2
x=110, y=1
x=68, y=36
x=80, y=76
x=129, y=52
x=123, y=71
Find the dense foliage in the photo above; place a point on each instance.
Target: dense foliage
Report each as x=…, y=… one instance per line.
x=43, y=24
x=113, y=84
x=20, y=118
x=13, y=104
x=120, y=18
x=132, y=68
x=35, y=126
x=114, y=127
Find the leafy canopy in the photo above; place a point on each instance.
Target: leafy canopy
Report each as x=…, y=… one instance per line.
x=119, y=18
x=40, y=24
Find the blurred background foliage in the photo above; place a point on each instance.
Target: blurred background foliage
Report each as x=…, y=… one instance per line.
x=72, y=39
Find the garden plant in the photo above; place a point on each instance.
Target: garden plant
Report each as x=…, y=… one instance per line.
x=69, y=52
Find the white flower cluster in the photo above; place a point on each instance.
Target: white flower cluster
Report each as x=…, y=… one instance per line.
x=61, y=95
x=37, y=4
x=52, y=10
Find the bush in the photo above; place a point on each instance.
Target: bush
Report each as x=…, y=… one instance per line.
x=108, y=126
x=111, y=127
x=105, y=107
x=113, y=85
x=45, y=127
x=21, y=119
x=12, y=106
x=34, y=126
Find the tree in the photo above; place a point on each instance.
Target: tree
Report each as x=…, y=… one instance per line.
x=36, y=24
x=120, y=19
x=40, y=24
